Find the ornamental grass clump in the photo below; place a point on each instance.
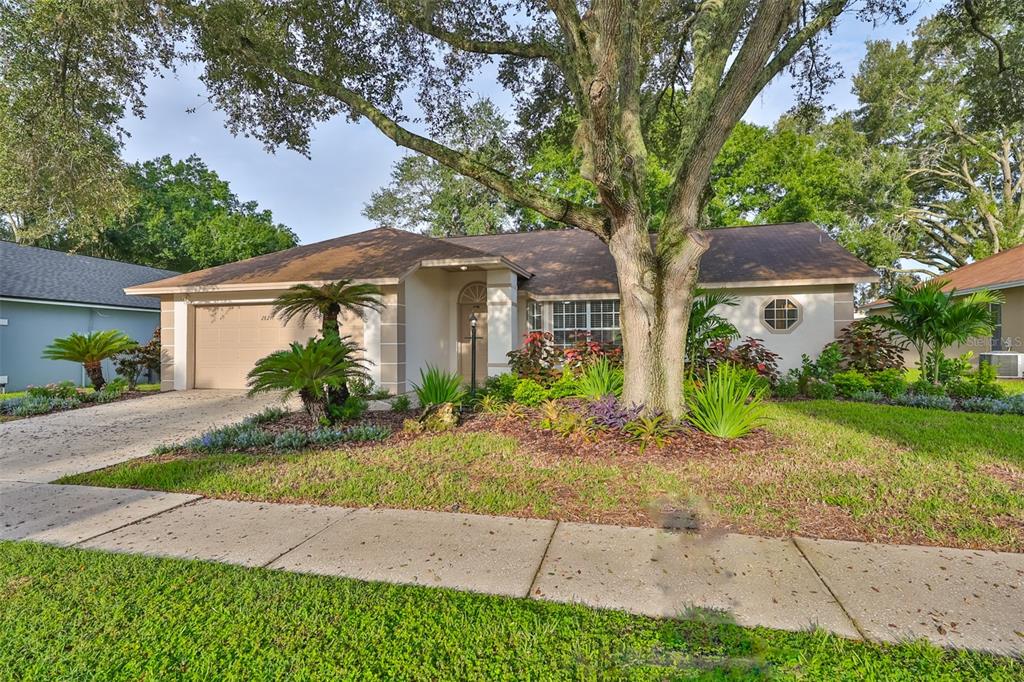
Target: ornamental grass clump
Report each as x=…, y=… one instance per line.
x=599, y=379
x=438, y=387
x=728, y=404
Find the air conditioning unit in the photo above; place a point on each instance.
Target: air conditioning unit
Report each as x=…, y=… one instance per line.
x=1007, y=364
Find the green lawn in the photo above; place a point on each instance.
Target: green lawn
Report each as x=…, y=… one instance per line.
x=74, y=614
x=836, y=469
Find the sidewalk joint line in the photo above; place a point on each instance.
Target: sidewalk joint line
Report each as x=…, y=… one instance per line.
x=835, y=597
x=543, y=556
x=140, y=519
x=348, y=512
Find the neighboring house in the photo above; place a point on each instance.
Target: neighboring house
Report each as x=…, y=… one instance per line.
x=795, y=285
x=47, y=294
x=1004, y=273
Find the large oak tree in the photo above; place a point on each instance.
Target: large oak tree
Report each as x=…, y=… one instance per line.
x=279, y=68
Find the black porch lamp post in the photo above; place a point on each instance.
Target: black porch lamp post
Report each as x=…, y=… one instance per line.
x=472, y=352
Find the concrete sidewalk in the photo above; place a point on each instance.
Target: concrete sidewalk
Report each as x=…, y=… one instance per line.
x=884, y=593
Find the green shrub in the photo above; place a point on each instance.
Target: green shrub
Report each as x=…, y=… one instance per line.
x=292, y=439
x=491, y=404
x=63, y=389
x=353, y=408
x=819, y=389
x=565, y=386
x=938, y=402
x=529, y=393
x=267, y=416
x=925, y=387
x=116, y=386
x=788, y=387
x=849, y=382
x=889, y=382
x=599, y=379
x=401, y=403
x=980, y=384
x=438, y=387
x=501, y=386
x=726, y=405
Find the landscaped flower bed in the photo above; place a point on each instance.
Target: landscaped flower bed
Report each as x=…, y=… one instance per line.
x=38, y=400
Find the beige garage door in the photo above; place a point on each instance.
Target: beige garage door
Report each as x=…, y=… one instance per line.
x=230, y=339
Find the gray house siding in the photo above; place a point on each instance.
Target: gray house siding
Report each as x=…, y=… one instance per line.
x=26, y=328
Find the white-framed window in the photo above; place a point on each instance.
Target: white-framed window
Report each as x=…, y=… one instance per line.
x=534, y=317
x=599, y=319
x=780, y=314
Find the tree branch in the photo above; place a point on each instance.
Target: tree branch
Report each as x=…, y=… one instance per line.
x=425, y=23
x=826, y=15
x=553, y=208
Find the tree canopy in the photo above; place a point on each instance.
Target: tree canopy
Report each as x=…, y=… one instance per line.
x=185, y=217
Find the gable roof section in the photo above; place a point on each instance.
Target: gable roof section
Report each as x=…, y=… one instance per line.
x=1004, y=269
x=576, y=262
x=377, y=255
x=39, y=274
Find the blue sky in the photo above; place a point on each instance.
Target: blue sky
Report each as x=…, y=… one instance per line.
x=323, y=196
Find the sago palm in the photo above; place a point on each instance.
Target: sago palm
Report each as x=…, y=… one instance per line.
x=313, y=371
x=90, y=350
x=327, y=301
x=932, y=320
x=706, y=325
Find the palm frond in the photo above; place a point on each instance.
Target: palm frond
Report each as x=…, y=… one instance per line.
x=89, y=348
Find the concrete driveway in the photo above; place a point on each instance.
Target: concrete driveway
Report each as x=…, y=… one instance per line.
x=42, y=449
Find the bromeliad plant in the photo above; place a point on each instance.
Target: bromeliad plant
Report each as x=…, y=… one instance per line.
x=90, y=350
x=728, y=404
x=314, y=371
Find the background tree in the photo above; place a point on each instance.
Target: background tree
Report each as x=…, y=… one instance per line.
x=950, y=104
x=426, y=196
x=69, y=72
x=185, y=217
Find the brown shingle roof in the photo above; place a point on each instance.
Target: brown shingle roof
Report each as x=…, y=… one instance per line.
x=382, y=253
x=1006, y=267
x=577, y=262
x=562, y=262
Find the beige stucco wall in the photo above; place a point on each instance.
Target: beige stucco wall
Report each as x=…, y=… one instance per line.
x=166, y=343
x=428, y=294
x=823, y=312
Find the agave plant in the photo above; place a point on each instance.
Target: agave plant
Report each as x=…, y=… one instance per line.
x=932, y=320
x=327, y=301
x=437, y=387
x=90, y=350
x=313, y=371
x=728, y=404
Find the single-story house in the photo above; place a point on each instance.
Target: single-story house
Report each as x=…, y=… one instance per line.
x=794, y=282
x=1003, y=273
x=47, y=294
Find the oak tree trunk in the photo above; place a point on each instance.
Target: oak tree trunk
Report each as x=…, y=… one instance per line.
x=656, y=293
